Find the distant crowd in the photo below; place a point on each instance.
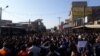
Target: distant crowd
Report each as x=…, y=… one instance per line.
x=51, y=44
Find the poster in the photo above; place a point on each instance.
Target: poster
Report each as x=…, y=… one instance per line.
x=82, y=44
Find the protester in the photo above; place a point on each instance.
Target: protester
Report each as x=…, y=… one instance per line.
x=51, y=44
x=23, y=51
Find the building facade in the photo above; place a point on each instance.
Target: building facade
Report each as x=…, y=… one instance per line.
x=81, y=14
x=78, y=11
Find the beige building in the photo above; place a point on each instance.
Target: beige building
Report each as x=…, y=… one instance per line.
x=79, y=10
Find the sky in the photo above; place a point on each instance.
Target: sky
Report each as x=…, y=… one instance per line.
x=48, y=10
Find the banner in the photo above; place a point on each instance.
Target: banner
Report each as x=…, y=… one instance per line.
x=82, y=44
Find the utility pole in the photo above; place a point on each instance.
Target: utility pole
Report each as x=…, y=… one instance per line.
x=1, y=16
x=29, y=21
x=59, y=19
x=0, y=13
x=59, y=22
x=29, y=25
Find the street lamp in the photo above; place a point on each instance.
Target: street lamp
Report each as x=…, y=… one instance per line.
x=1, y=15
x=2, y=10
x=5, y=7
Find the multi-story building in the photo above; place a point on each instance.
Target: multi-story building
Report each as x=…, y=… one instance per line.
x=81, y=14
x=79, y=9
x=96, y=14
x=67, y=24
x=38, y=25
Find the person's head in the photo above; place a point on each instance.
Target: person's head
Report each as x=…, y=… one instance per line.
x=5, y=45
x=29, y=44
x=23, y=47
x=73, y=53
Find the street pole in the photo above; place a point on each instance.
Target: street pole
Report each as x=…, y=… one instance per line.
x=59, y=22
x=59, y=19
x=84, y=21
x=1, y=15
x=29, y=25
x=1, y=11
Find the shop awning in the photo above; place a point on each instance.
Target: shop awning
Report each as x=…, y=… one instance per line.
x=92, y=26
x=88, y=26
x=67, y=26
x=79, y=27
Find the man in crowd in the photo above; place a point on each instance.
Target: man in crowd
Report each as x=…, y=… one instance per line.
x=49, y=44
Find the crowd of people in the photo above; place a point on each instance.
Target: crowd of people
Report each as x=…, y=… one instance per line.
x=51, y=44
